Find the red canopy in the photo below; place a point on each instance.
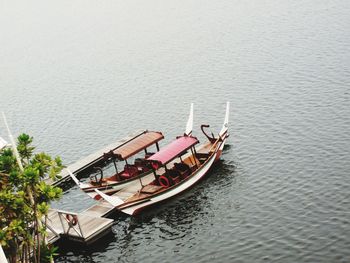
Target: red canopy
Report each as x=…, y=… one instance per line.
x=174, y=149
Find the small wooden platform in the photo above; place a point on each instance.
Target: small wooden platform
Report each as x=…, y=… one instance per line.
x=91, y=159
x=87, y=228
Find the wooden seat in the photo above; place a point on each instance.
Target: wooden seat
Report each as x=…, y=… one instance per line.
x=129, y=172
x=202, y=157
x=151, y=189
x=174, y=174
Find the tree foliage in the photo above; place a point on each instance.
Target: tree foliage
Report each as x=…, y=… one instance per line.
x=24, y=201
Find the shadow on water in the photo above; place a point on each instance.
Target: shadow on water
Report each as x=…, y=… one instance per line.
x=73, y=252
x=179, y=210
x=222, y=174
x=174, y=218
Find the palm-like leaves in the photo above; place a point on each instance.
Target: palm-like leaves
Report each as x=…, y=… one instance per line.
x=24, y=147
x=18, y=214
x=7, y=161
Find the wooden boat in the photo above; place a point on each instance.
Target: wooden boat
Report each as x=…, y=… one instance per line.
x=132, y=171
x=176, y=167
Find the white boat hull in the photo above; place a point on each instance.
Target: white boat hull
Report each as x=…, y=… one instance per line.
x=133, y=209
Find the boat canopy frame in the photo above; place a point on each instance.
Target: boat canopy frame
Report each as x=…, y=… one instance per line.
x=136, y=145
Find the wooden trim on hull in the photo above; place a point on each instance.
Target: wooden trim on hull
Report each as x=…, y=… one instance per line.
x=218, y=155
x=138, y=211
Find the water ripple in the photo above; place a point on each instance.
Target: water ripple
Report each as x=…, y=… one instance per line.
x=281, y=192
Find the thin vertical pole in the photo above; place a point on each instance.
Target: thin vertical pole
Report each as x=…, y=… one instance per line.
x=60, y=217
x=14, y=148
x=115, y=164
x=81, y=231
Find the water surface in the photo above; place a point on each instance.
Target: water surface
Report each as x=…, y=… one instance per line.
x=78, y=75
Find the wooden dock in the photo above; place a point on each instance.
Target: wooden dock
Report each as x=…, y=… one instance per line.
x=86, y=227
x=91, y=160
x=91, y=224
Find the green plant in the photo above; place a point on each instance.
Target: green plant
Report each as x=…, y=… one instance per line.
x=24, y=201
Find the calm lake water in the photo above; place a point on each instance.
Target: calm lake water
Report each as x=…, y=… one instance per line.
x=78, y=75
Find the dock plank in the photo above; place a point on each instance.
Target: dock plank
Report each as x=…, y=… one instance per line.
x=98, y=210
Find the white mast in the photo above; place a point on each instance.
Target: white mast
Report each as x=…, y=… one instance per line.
x=18, y=158
x=14, y=148
x=189, y=125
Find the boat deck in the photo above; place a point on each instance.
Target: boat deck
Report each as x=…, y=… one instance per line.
x=101, y=209
x=136, y=191
x=129, y=191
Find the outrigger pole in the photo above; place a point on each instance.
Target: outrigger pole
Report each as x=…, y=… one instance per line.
x=75, y=179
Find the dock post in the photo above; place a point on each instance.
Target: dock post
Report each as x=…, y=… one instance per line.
x=81, y=231
x=51, y=229
x=63, y=227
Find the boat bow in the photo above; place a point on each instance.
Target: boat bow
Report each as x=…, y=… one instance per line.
x=224, y=129
x=113, y=200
